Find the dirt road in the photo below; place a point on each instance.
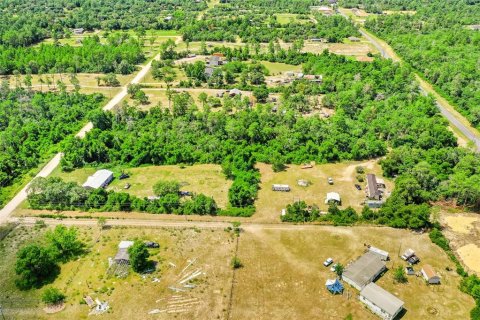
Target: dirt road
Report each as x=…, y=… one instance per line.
x=55, y=161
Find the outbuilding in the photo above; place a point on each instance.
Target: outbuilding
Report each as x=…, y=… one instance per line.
x=373, y=192
x=333, y=197
x=382, y=254
x=381, y=302
x=430, y=275
x=122, y=255
x=281, y=187
x=364, y=270
x=99, y=179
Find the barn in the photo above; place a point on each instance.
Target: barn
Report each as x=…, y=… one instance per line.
x=99, y=179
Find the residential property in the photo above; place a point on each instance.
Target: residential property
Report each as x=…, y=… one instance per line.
x=430, y=275
x=281, y=187
x=381, y=302
x=314, y=78
x=323, y=9
x=333, y=197
x=373, y=190
x=78, y=31
x=214, y=61
x=382, y=254
x=364, y=270
x=234, y=92
x=354, y=39
x=99, y=179
x=408, y=254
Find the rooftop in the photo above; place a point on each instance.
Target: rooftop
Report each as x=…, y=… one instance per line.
x=382, y=298
x=429, y=271
x=372, y=185
x=98, y=179
x=364, y=268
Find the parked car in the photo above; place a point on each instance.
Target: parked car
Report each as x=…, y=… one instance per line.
x=328, y=262
x=127, y=186
x=123, y=176
x=330, y=180
x=151, y=244
x=358, y=187
x=333, y=267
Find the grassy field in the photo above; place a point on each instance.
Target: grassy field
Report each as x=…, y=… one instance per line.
x=202, y=178
x=270, y=203
x=283, y=276
x=134, y=296
x=277, y=68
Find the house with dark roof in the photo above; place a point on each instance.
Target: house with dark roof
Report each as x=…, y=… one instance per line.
x=373, y=191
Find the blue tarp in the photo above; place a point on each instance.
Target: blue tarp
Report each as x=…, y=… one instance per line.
x=334, y=286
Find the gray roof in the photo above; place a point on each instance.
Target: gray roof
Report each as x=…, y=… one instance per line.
x=214, y=61
x=98, y=179
x=382, y=298
x=122, y=254
x=372, y=186
x=208, y=72
x=364, y=269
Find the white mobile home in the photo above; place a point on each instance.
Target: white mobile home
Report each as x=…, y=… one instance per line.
x=381, y=302
x=99, y=179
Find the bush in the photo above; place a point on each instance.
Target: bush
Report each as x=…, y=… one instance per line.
x=139, y=256
x=360, y=178
x=52, y=296
x=162, y=188
x=399, y=275
x=237, y=212
x=236, y=263
x=360, y=169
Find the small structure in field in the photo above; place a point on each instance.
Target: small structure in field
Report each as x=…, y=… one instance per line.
x=122, y=253
x=409, y=271
x=78, y=31
x=234, y=92
x=215, y=61
x=333, y=197
x=381, y=302
x=382, y=254
x=334, y=286
x=307, y=166
x=281, y=187
x=303, y=183
x=364, y=270
x=373, y=190
x=408, y=254
x=322, y=40
x=168, y=18
x=314, y=78
x=354, y=39
x=99, y=179
x=430, y=275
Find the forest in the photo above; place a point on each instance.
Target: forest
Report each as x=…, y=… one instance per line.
x=27, y=22
x=120, y=55
x=31, y=124
x=438, y=42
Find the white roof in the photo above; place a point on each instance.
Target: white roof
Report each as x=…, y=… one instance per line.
x=97, y=180
x=281, y=186
x=382, y=298
x=329, y=282
x=333, y=196
x=380, y=252
x=125, y=244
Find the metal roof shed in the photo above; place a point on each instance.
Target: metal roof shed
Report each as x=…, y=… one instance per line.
x=364, y=270
x=99, y=179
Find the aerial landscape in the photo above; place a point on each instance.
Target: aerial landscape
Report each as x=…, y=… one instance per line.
x=240, y=159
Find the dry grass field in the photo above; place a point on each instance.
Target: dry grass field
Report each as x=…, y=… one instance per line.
x=270, y=203
x=283, y=276
x=136, y=295
x=202, y=178
x=463, y=231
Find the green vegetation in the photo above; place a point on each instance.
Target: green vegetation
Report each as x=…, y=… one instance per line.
x=31, y=124
x=399, y=275
x=437, y=42
x=52, y=296
x=139, y=256
x=236, y=263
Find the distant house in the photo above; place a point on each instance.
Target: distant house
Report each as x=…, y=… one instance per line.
x=354, y=39
x=99, y=179
x=214, y=61
x=208, y=72
x=380, y=301
x=373, y=191
x=382, y=254
x=78, y=31
x=333, y=197
x=122, y=255
x=313, y=78
x=364, y=270
x=323, y=9
x=281, y=187
x=430, y=275
x=235, y=92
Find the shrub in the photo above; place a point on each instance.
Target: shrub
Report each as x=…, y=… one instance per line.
x=236, y=263
x=52, y=296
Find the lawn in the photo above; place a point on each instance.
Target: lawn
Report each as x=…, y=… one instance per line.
x=270, y=203
x=283, y=276
x=202, y=178
x=134, y=296
x=277, y=67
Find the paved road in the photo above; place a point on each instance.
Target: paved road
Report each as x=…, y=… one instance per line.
x=450, y=116
x=55, y=161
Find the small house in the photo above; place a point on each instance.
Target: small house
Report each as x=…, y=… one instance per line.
x=430, y=275
x=334, y=286
x=354, y=39
x=234, y=92
x=382, y=254
x=374, y=204
x=314, y=78
x=281, y=187
x=214, y=61
x=78, y=31
x=122, y=255
x=333, y=197
x=381, y=302
x=373, y=192
x=99, y=179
